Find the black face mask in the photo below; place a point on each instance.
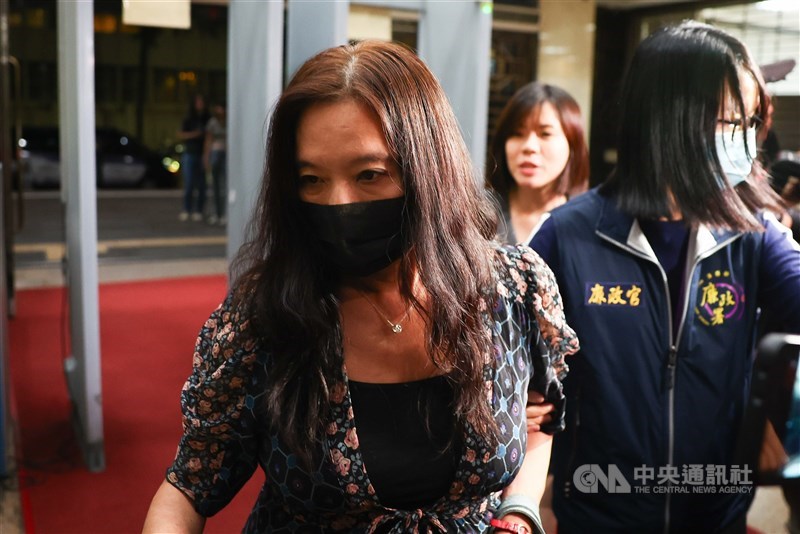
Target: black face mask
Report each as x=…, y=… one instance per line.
x=359, y=238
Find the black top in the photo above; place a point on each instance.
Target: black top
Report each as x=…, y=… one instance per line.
x=670, y=242
x=193, y=124
x=404, y=433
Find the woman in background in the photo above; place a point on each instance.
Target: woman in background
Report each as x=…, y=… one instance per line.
x=193, y=136
x=540, y=159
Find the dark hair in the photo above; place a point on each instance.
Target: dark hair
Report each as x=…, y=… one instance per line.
x=527, y=102
x=191, y=110
x=673, y=92
x=288, y=288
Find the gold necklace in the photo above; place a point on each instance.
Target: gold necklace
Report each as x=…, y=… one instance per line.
x=396, y=327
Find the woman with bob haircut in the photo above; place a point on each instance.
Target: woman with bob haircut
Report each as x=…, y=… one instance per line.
x=375, y=355
x=663, y=270
x=539, y=157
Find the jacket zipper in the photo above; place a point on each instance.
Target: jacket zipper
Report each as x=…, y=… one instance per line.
x=672, y=362
x=672, y=358
x=669, y=382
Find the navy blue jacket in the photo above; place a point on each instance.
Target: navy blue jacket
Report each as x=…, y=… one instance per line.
x=636, y=394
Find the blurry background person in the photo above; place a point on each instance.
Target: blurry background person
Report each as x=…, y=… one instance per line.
x=770, y=149
x=214, y=159
x=539, y=157
x=375, y=356
x=783, y=166
x=785, y=180
x=193, y=136
x=768, y=140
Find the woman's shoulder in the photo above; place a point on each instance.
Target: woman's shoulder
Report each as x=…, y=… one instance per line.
x=226, y=337
x=525, y=278
x=518, y=259
x=519, y=270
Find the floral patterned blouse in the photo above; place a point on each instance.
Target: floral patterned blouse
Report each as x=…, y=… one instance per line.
x=226, y=435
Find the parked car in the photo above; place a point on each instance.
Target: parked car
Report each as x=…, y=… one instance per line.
x=122, y=161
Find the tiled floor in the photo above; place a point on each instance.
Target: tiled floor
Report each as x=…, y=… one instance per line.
x=768, y=514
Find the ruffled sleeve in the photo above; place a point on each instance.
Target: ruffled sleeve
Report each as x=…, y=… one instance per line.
x=545, y=301
x=531, y=283
x=217, y=453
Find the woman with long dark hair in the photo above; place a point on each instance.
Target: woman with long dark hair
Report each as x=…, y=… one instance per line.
x=375, y=355
x=539, y=157
x=664, y=269
x=192, y=134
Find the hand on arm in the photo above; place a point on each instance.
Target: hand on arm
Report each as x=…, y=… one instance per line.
x=192, y=134
x=537, y=412
x=171, y=511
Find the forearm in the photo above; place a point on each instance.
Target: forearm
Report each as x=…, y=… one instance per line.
x=522, y=497
x=193, y=134
x=171, y=512
x=532, y=476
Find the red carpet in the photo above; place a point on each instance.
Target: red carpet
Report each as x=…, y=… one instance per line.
x=147, y=335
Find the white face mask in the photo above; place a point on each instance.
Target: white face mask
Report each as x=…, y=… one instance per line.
x=735, y=159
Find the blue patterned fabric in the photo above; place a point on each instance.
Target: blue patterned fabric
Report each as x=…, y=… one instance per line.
x=226, y=433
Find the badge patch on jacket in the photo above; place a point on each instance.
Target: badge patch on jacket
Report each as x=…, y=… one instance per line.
x=718, y=299
x=613, y=294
